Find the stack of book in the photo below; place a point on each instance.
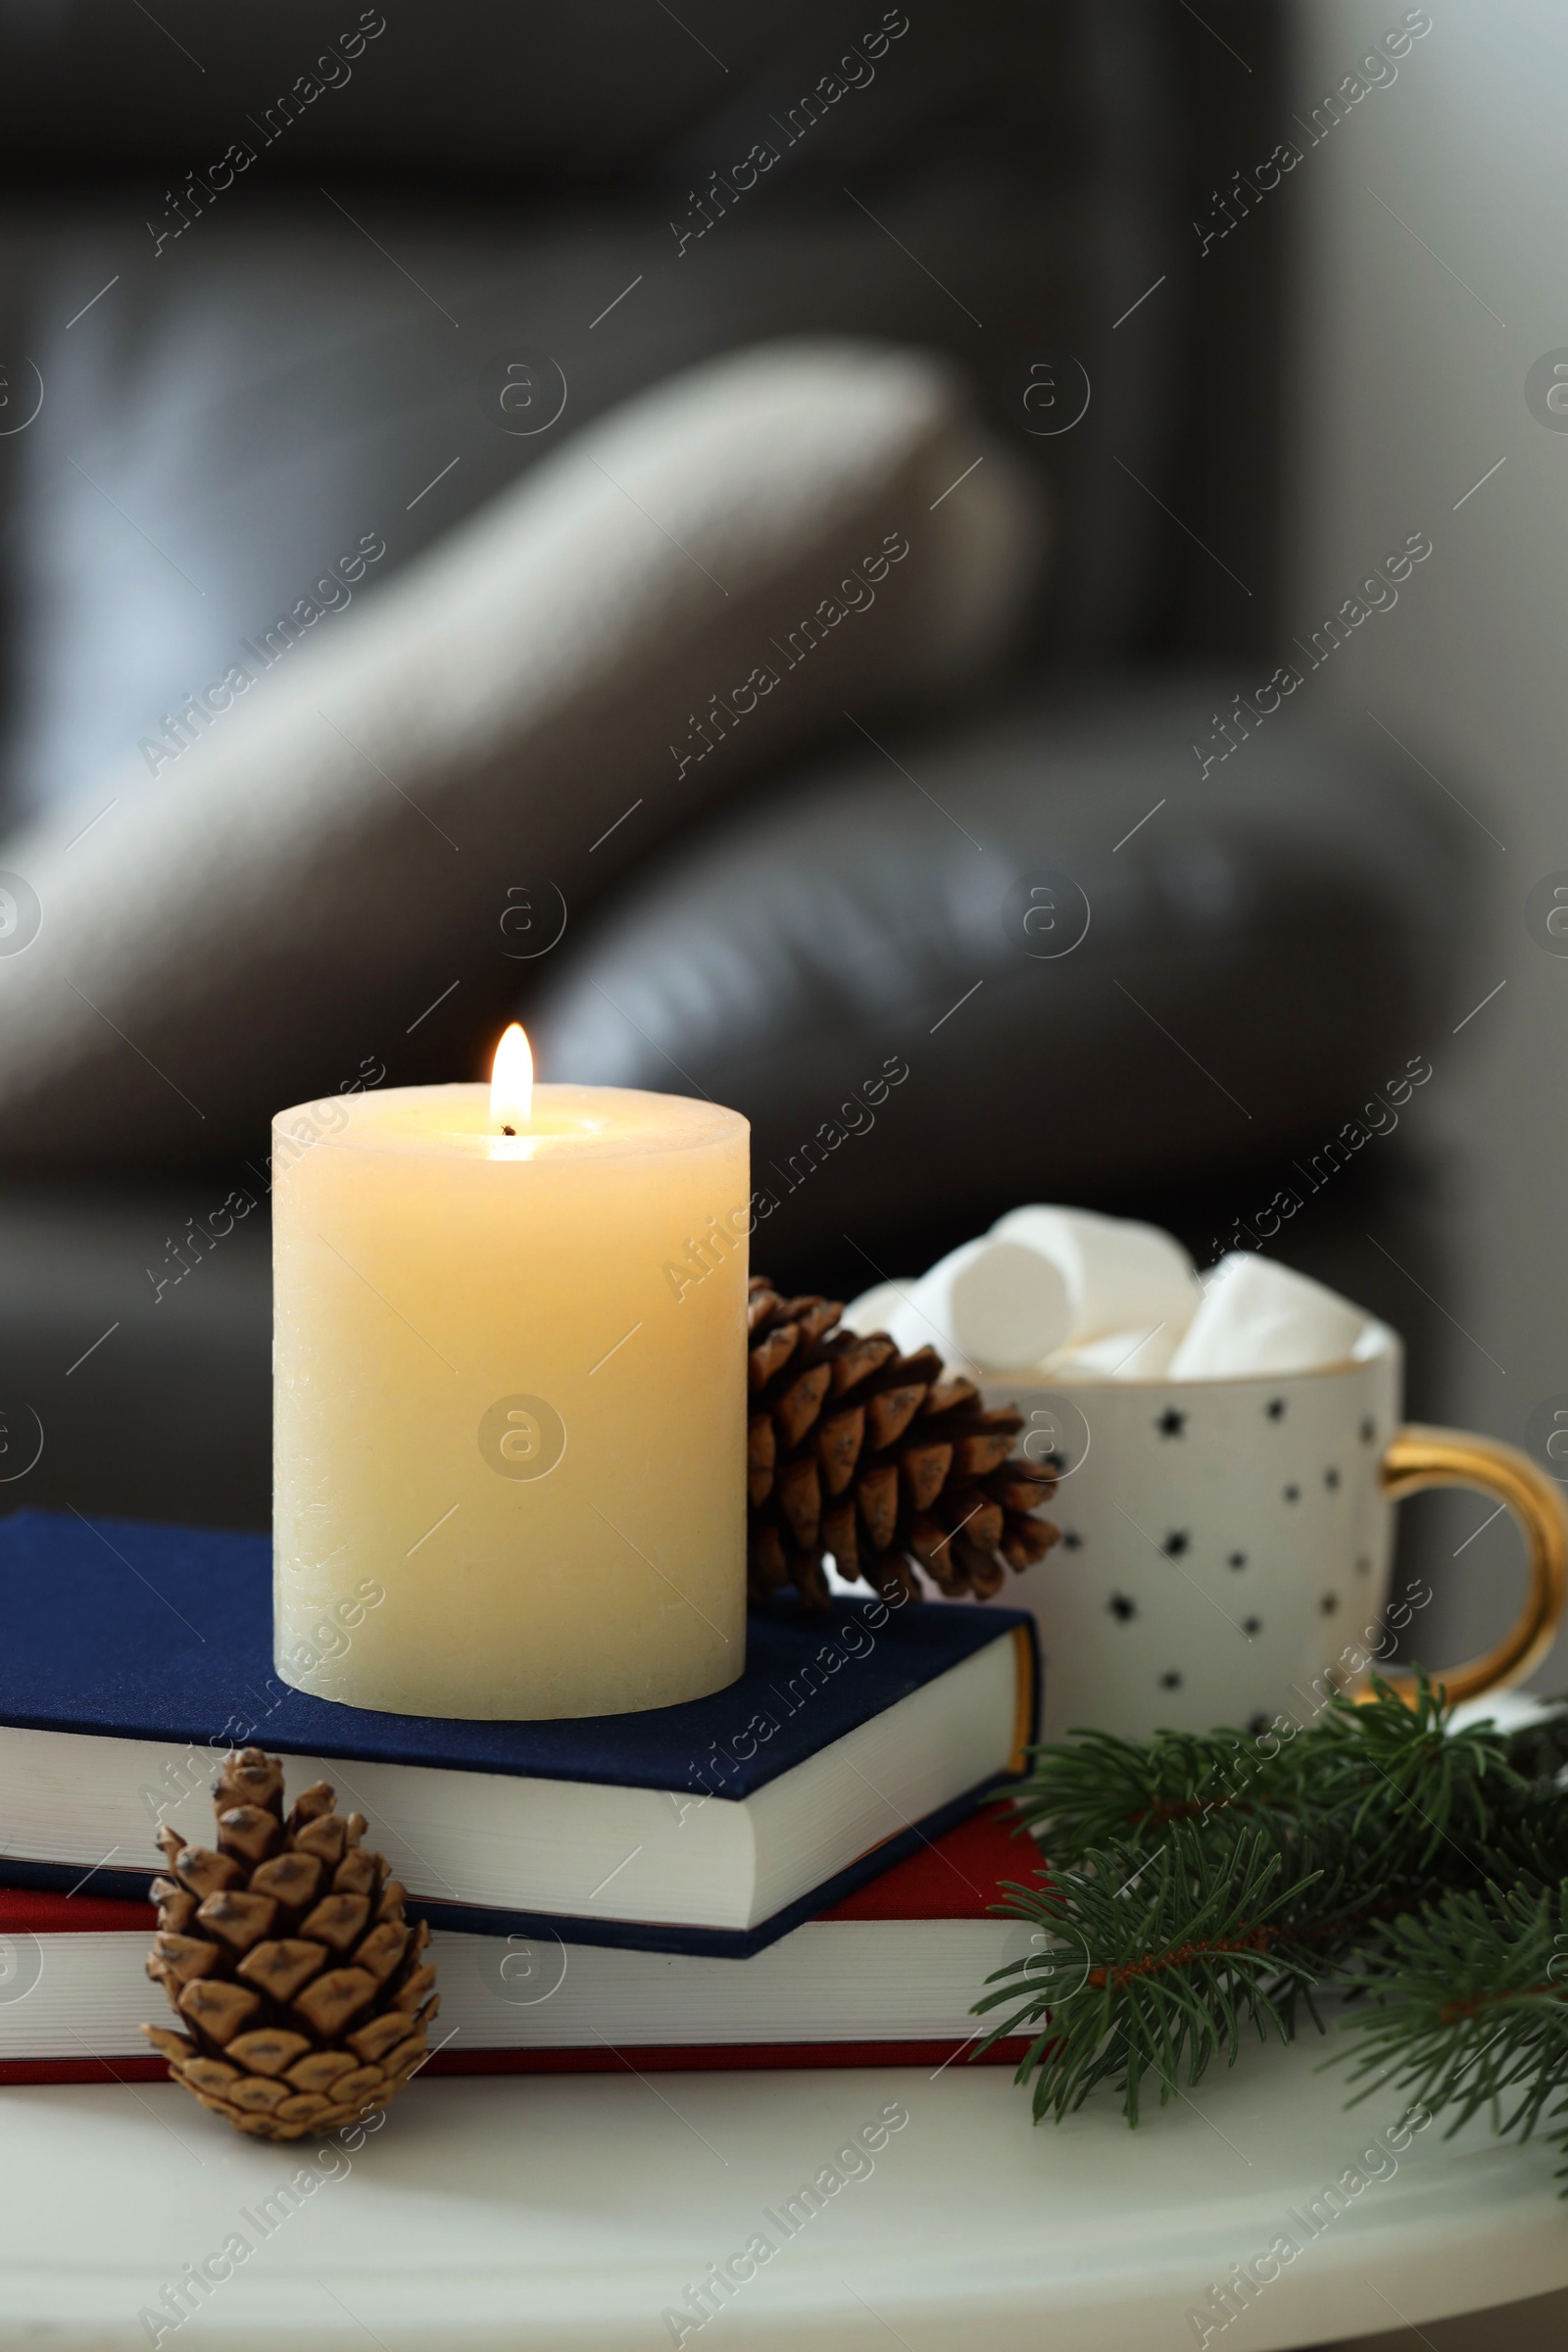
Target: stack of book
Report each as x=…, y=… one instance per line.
x=797, y=1871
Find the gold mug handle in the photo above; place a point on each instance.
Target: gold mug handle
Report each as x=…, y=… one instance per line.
x=1417, y=1459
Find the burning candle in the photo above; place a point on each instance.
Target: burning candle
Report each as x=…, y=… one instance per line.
x=509, y=1445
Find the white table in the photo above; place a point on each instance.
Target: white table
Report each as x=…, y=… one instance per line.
x=570, y=2212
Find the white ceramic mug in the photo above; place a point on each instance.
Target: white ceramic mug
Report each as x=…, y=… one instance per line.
x=1226, y=1545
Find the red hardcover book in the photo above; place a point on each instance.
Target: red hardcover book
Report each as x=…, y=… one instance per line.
x=886, y=1977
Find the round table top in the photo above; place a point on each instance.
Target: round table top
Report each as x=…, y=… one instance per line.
x=577, y=2212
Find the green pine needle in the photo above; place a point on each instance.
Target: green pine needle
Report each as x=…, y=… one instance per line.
x=1468, y=2007
x=1383, y=1771
x=1156, y=1961
x=1374, y=1766
x=1202, y=1885
x=1097, y=1791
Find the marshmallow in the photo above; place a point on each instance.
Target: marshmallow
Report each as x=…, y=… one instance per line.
x=874, y=1309
x=1141, y=1354
x=1258, y=1316
x=1120, y=1276
x=993, y=1305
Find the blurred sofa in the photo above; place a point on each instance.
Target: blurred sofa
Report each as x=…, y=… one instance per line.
x=248, y=365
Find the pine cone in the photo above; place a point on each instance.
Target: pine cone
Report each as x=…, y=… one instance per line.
x=879, y=1459
x=304, y=1995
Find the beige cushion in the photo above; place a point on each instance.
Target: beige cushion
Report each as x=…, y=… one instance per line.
x=288, y=895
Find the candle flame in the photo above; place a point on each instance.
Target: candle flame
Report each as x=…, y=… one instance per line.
x=511, y=1080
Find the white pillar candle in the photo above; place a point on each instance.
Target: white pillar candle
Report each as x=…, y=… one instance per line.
x=496, y=1410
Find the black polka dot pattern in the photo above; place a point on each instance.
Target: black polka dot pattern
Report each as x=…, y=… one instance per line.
x=1265, y=1491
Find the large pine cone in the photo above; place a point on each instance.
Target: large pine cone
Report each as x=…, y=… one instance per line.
x=877, y=1458
x=304, y=1995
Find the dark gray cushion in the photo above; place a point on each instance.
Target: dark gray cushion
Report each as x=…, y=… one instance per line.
x=1264, y=944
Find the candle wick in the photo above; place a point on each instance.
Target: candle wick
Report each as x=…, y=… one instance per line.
x=508, y=1130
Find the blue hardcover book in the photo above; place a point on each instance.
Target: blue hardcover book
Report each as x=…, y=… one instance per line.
x=131, y=1657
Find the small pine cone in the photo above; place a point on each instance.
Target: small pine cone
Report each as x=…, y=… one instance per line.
x=302, y=1997
x=881, y=1459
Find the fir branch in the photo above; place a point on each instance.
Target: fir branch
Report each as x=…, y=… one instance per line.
x=1366, y=1765
x=1157, y=1961
x=1367, y=1774
x=1468, y=2007
x=1205, y=1884
x=1097, y=1791
x=1530, y=1846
